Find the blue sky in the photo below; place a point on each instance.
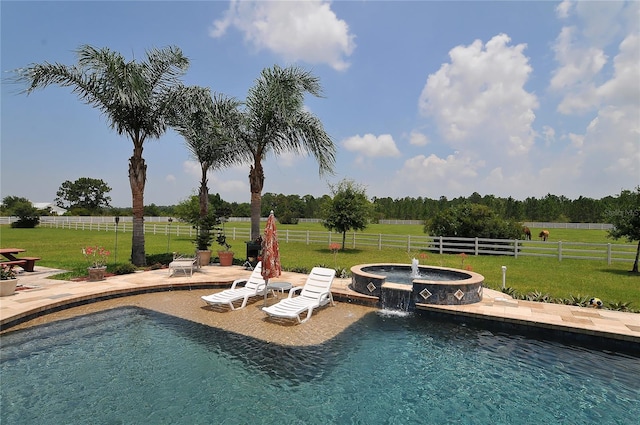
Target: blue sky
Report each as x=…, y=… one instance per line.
x=421, y=98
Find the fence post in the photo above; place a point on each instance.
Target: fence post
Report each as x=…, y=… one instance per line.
x=409, y=243
x=476, y=246
x=440, y=244
x=515, y=246
x=379, y=241
x=609, y=253
x=559, y=250
x=354, y=240
x=307, y=237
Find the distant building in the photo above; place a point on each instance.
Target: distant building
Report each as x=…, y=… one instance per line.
x=49, y=206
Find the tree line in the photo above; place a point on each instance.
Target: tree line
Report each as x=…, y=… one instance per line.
x=290, y=208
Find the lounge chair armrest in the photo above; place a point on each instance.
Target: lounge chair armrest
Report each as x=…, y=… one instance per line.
x=293, y=290
x=235, y=282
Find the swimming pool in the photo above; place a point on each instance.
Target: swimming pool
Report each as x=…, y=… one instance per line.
x=131, y=365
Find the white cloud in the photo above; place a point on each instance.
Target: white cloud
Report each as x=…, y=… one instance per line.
x=578, y=66
x=478, y=99
x=287, y=159
x=563, y=9
x=298, y=31
x=611, y=144
x=577, y=140
x=418, y=139
x=583, y=63
x=624, y=87
x=192, y=168
x=170, y=178
x=432, y=174
x=372, y=146
x=607, y=153
x=549, y=135
x=229, y=189
x=600, y=20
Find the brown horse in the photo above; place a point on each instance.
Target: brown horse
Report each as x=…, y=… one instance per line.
x=527, y=233
x=544, y=235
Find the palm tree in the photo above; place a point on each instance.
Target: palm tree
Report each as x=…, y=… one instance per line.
x=208, y=124
x=275, y=121
x=132, y=95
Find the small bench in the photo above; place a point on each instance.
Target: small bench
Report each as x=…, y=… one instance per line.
x=183, y=264
x=21, y=263
x=27, y=263
x=31, y=263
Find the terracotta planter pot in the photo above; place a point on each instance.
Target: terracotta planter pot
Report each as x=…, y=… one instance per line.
x=8, y=287
x=226, y=258
x=204, y=257
x=96, y=273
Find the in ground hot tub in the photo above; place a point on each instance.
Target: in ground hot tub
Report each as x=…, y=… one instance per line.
x=402, y=286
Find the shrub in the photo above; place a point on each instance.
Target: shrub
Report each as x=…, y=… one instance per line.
x=125, y=269
x=164, y=258
x=27, y=215
x=538, y=296
x=471, y=221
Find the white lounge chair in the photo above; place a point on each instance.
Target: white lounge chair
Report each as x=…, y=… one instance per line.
x=253, y=287
x=316, y=292
x=183, y=264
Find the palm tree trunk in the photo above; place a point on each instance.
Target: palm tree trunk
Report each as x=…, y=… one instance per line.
x=256, y=182
x=137, y=179
x=203, y=197
x=635, y=263
x=204, y=193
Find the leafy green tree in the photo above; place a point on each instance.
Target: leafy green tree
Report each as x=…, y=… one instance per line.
x=87, y=193
x=9, y=204
x=275, y=121
x=28, y=215
x=472, y=220
x=626, y=219
x=152, y=210
x=349, y=209
x=208, y=125
x=130, y=94
x=188, y=210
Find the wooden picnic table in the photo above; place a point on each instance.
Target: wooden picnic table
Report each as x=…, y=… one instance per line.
x=27, y=263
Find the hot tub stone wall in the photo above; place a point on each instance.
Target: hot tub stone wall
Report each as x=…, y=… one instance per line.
x=445, y=294
x=457, y=292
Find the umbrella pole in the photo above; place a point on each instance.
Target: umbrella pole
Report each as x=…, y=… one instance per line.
x=266, y=292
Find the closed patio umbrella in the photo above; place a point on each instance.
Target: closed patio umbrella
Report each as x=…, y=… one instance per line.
x=270, y=252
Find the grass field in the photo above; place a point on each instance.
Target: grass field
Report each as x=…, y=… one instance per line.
x=61, y=248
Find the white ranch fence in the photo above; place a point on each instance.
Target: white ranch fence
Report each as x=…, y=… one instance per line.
x=411, y=243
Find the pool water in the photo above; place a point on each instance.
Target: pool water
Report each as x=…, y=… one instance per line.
x=134, y=366
x=403, y=274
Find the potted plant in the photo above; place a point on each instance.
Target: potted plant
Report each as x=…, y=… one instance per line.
x=8, y=280
x=226, y=256
x=97, y=257
x=204, y=238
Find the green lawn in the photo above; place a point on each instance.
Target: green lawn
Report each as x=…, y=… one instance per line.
x=61, y=248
